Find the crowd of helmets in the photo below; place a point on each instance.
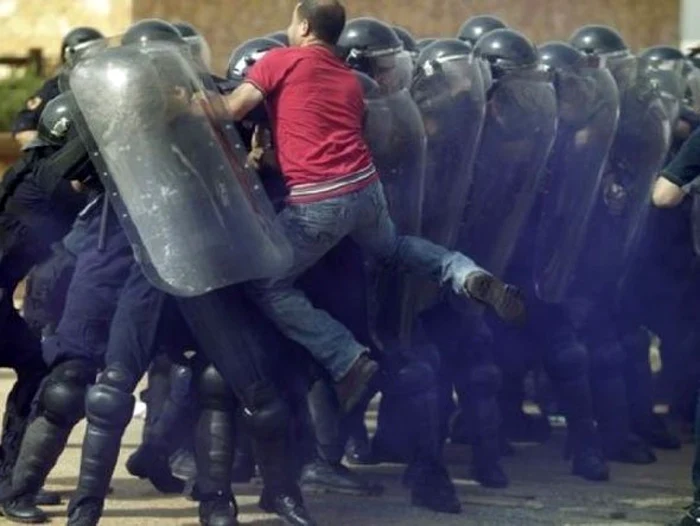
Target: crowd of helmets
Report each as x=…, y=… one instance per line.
x=388, y=60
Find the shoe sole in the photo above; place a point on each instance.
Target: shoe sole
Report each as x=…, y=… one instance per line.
x=506, y=300
x=365, y=383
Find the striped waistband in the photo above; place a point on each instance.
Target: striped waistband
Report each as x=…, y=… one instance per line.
x=337, y=186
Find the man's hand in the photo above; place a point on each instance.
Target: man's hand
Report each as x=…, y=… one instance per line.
x=25, y=137
x=667, y=194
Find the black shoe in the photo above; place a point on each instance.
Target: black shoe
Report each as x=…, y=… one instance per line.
x=433, y=489
x=23, y=509
x=490, y=475
x=221, y=510
x=151, y=463
x=691, y=517
x=85, y=512
x=632, y=450
x=506, y=300
x=658, y=435
x=359, y=452
x=590, y=464
x=326, y=478
x=289, y=508
x=47, y=498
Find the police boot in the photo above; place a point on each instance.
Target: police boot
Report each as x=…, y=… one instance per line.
x=61, y=404
x=583, y=448
x=268, y=418
x=432, y=488
x=358, y=451
x=165, y=414
x=214, y=451
x=109, y=407
x=320, y=476
x=655, y=432
x=486, y=466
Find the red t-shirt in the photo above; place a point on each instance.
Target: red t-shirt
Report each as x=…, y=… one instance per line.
x=316, y=106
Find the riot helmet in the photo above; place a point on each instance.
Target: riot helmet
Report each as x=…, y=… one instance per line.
x=77, y=41
x=56, y=120
x=576, y=90
x=409, y=42
x=598, y=40
x=506, y=50
x=422, y=43
x=279, y=36
x=607, y=43
x=198, y=44
x=373, y=47
x=150, y=30
x=247, y=54
x=477, y=26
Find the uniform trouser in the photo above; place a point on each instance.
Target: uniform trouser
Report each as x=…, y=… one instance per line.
x=596, y=323
x=551, y=340
x=76, y=350
x=467, y=367
x=20, y=350
x=231, y=335
x=696, y=460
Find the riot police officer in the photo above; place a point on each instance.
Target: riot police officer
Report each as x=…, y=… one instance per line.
x=25, y=124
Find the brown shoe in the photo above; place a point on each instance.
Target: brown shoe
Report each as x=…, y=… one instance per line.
x=355, y=384
x=506, y=300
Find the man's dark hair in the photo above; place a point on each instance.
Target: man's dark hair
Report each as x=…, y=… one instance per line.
x=326, y=18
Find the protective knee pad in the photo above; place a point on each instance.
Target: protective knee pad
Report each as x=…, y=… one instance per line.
x=118, y=377
x=485, y=380
x=268, y=417
x=569, y=362
x=213, y=390
x=180, y=383
x=62, y=399
x=108, y=407
x=411, y=378
x=607, y=359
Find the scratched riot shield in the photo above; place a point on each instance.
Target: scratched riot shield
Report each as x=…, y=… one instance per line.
x=197, y=218
x=588, y=115
x=518, y=135
x=450, y=95
x=395, y=134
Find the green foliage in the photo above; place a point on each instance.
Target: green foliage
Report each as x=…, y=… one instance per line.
x=14, y=92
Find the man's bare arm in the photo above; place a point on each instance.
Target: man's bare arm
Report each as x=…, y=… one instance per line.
x=242, y=100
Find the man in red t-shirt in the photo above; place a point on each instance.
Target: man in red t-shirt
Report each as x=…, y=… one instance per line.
x=316, y=108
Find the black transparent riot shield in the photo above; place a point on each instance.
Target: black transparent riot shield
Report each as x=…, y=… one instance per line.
x=696, y=223
x=518, y=135
x=638, y=153
x=451, y=97
x=588, y=117
x=197, y=217
x=395, y=134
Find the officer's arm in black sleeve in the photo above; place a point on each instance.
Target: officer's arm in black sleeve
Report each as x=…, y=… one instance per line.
x=70, y=162
x=683, y=169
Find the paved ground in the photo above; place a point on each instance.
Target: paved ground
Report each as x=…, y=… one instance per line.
x=543, y=493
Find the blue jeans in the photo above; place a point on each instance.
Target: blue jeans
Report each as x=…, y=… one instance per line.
x=313, y=229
